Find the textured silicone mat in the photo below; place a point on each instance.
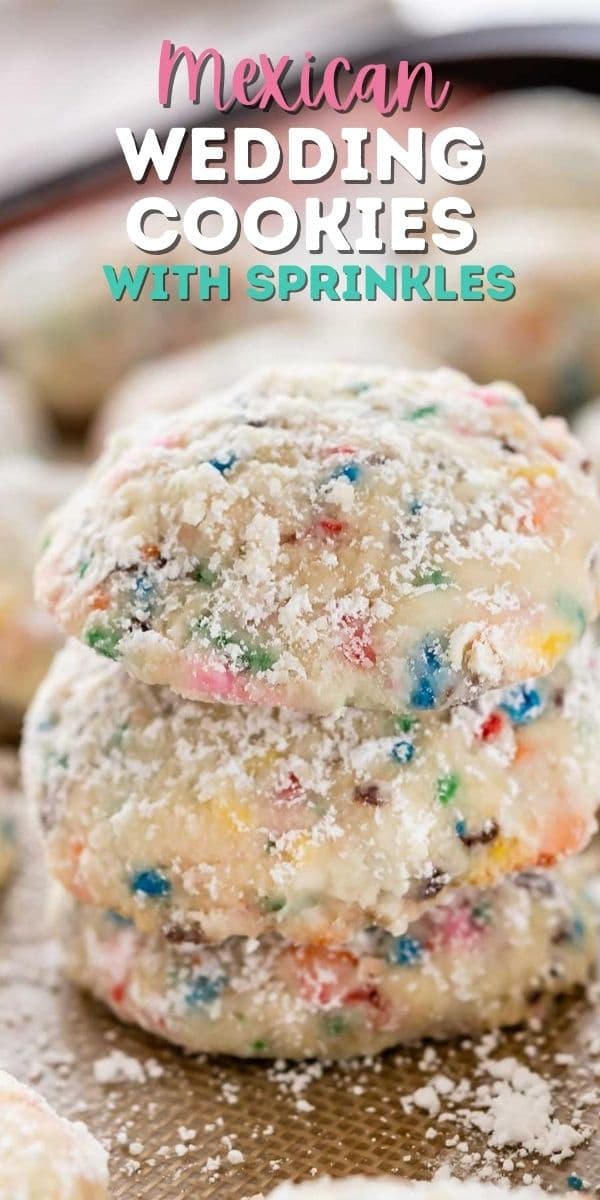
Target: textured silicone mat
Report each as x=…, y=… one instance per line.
x=189, y=1130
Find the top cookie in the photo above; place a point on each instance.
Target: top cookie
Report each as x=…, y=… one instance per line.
x=333, y=536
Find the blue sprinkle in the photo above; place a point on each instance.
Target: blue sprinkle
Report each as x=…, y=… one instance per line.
x=117, y=918
x=575, y=1183
x=143, y=590
x=405, y=951
x=423, y=694
x=351, y=471
x=415, y=507
x=151, y=883
x=203, y=990
x=430, y=673
x=402, y=751
x=577, y=929
x=47, y=724
x=522, y=704
x=224, y=464
x=7, y=827
x=461, y=828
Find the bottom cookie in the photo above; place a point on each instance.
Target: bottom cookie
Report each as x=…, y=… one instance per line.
x=485, y=958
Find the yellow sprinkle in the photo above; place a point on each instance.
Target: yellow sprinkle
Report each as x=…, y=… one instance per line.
x=259, y=764
x=234, y=815
x=534, y=472
x=553, y=645
x=502, y=856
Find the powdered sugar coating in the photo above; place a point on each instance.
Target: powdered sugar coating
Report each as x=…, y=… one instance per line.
x=208, y=821
x=44, y=1156
x=483, y=959
x=337, y=536
x=29, y=489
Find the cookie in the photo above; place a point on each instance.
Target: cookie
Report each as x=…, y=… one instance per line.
x=482, y=959
x=542, y=150
x=29, y=489
x=9, y=799
x=544, y=339
x=22, y=427
x=175, y=381
x=207, y=820
x=336, y=536
x=60, y=327
x=44, y=1156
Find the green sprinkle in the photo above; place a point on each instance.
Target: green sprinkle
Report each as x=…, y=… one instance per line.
x=115, y=741
x=437, y=578
x=203, y=574
x=447, y=787
x=104, y=641
x=83, y=566
x=270, y=846
x=426, y=410
x=482, y=913
x=258, y=658
x=259, y=1046
x=335, y=1024
x=572, y=610
x=252, y=658
x=272, y=904
x=404, y=723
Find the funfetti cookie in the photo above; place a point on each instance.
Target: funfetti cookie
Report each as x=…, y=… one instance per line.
x=485, y=958
x=335, y=536
x=204, y=821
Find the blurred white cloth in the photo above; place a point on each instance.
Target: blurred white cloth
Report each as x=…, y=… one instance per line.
x=72, y=71
x=460, y=14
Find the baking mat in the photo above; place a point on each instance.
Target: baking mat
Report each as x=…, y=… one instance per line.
x=185, y=1129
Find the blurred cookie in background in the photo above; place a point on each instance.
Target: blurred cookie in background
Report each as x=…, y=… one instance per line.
x=29, y=489
x=542, y=149
x=22, y=425
x=171, y=383
x=60, y=326
x=9, y=800
x=544, y=339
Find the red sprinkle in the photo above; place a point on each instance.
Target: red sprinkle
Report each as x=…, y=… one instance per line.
x=365, y=995
x=356, y=648
x=292, y=790
x=328, y=526
x=118, y=993
x=339, y=450
x=491, y=727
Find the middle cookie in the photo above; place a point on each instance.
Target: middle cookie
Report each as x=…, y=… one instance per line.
x=207, y=821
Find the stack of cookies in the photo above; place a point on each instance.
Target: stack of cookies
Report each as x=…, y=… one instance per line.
x=331, y=716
